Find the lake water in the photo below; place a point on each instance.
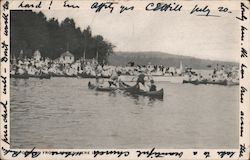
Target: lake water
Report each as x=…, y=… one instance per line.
x=64, y=113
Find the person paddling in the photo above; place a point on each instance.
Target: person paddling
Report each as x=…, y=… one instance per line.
x=114, y=79
x=140, y=83
x=98, y=83
x=152, y=86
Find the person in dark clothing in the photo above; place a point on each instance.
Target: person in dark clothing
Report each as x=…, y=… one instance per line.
x=140, y=83
x=152, y=86
x=140, y=79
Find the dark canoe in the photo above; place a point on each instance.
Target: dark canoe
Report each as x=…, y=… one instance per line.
x=62, y=75
x=123, y=86
x=84, y=75
x=221, y=82
x=154, y=94
x=43, y=76
x=17, y=76
x=103, y=89
x=196, y=82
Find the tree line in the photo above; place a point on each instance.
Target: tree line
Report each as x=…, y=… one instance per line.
x=31, y=31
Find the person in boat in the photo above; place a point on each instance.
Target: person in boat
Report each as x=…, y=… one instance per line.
x=115, y=79
x=140, y=83
x=152, y=86
x=98, y=83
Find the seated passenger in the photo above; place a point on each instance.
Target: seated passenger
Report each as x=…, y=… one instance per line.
x=152, y=86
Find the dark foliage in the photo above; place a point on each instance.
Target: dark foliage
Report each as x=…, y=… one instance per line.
x=31, y=31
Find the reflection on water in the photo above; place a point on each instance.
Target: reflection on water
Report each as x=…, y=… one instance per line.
x=64, y=113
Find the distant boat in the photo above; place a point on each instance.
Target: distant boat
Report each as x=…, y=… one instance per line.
x=220, y=82
x=103, y=89
x=19, y=76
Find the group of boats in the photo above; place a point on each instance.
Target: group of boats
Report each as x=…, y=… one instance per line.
x=131, y=79
x=48, y=76
x=219, y=82
x=133, y=90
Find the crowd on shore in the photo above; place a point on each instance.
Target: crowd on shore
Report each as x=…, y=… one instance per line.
x=91, y=68
x=219, y=73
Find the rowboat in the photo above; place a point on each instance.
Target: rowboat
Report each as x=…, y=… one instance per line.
x=103, y=89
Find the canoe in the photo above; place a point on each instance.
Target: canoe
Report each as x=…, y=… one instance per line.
x=17, y=76
x=123, y=86
x=62, y=75
x=196, y=82
x=221, y=82
x=103, y=89
x=154, y=94
x=129, y=89
x=43, y=76
x=83, y=75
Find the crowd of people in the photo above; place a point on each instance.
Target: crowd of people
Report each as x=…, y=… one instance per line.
x=32, y=66
x=91, y=68
x=219, y=73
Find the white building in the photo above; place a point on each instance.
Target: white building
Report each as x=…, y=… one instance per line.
x=67, y=57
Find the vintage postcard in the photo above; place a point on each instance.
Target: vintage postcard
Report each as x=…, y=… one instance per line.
x=124, y=79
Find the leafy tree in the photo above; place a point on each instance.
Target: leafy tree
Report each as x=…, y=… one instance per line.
x=31, y=31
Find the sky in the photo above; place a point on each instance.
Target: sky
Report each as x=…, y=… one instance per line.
x=215, y=38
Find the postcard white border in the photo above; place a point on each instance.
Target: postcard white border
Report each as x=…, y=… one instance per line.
x=242, y=152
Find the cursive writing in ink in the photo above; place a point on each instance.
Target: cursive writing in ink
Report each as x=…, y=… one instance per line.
x=5, y=56
x=154, y=154
x=243, y=29
x=242, y=70
x=243, y=9
x=68, y=5
x=5, y=120
x=124, y=8
x=241, y=123
x=243, y=52
x=163, y=7
x=6, y=6
x=5, y=17
x=30, y=5
x=106, y=5
x=4, y=81
x=242, y=93
x=242, y=149
x=203, y=11
x=113, y=152
x=225, y=153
